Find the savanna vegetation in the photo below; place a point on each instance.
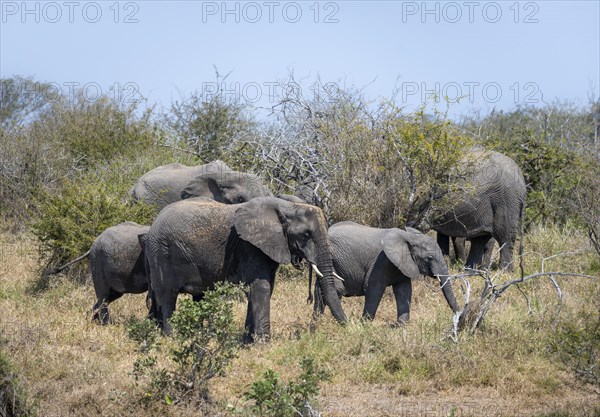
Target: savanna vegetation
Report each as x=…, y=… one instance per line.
x=67, y=164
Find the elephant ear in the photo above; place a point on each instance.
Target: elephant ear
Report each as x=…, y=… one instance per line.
x=203, y=185
x=260, y=223
x=142, y=239
x=397, y=249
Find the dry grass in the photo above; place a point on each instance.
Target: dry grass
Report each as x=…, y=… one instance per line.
x=72, y=367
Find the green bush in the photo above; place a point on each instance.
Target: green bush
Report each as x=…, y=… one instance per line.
x=47, y=137
x=207, y=122
x=205, y=339
x=340, y=150
x=556, y=148
x=272, y=398
x=70, y=218
x=96, y=131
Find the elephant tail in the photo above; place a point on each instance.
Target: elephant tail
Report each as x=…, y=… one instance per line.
x=53, y=271
x=521, y=232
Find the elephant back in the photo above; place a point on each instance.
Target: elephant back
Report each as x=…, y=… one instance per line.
x=487, y=185
x=118, y=245
x=163, y=185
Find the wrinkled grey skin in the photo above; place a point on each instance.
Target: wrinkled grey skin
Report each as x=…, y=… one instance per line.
x=291, y=198
x=196, y=243
x=489, y=204
x=117, y=266
x=163, y=185
x=170, y=183
x=231, y=187
x=371, y=259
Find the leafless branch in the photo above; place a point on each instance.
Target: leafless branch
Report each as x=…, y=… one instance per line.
x=492, y=291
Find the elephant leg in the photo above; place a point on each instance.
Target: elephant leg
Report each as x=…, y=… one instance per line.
x=151, y=305
x=443, y=242
x=166, y=307
x=476, y=252
x=506, y=254
x=249, y=324
x=488, y=251
x=258, y=315
x=100, y=309
x=403, y=295
x=373, y=296
x=460, y=252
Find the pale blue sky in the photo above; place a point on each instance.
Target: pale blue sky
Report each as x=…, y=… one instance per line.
x=531, y=51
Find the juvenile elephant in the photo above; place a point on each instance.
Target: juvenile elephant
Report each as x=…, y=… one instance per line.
x=117, y=266
x=170, y=183
x=488, y=201
x=370, y=259
x=195, y=243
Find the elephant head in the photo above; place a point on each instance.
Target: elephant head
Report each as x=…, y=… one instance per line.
x=229, y=187
x=288, y=233
x=414, y=253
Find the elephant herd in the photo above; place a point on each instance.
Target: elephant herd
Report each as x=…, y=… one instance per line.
x=217, y=224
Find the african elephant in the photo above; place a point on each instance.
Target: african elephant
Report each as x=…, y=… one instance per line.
x=487, y=202
x=117, y=266
x=370, y=259
x=195, y=243
x=170, y=183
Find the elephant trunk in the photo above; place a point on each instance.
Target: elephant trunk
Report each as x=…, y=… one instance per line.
x=327, y=281
x=446, y=285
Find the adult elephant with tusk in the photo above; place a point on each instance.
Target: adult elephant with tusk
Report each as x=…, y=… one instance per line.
x=195, y=243
x=371, y=259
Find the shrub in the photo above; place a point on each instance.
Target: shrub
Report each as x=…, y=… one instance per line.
x=47, y=137
x=13, y=400
x=95, y=132
x=339, y=150
x=70, y=218
x=204, y=341
x=552, y=145
x=276, y=399
x=208, y=121
x=22, y=99
x=577, y=343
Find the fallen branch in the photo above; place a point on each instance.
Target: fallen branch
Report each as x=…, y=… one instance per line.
x=492, y=291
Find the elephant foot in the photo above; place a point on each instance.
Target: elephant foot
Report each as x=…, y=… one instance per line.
x=100, y=315
x=256, y=339
x=402, y=320
x=101, y=319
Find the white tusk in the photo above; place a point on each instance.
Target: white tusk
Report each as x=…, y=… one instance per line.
x=320, y=275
